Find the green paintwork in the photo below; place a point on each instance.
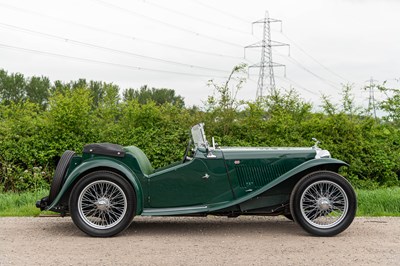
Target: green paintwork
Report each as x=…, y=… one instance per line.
x=252, y=195
x=93, y=163
x=200, y=181
x=220, y=181
x=252, y=168
x=236, y=177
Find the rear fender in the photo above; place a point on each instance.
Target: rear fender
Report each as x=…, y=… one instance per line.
x=101, y=163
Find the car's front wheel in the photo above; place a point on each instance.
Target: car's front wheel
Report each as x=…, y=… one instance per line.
x=323, y=203
x=102, y=204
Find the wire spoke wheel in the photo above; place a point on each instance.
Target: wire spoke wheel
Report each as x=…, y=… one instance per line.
x=324, y=204
x=102, y=204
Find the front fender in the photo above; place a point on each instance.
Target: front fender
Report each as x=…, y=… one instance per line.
x=101, y=163
x=327, y=163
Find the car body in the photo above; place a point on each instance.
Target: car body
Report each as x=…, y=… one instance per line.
x=106, y=186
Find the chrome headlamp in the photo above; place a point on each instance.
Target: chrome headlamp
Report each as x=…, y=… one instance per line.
x=322, y=154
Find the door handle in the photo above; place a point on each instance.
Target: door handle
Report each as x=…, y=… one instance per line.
x=206, y=176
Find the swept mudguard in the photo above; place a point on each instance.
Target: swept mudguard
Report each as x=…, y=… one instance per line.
x=326, y=163
x=99, y=162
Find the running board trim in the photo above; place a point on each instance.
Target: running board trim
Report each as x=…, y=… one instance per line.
x=173, y=211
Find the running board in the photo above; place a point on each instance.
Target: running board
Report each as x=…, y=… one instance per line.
x=173, y=211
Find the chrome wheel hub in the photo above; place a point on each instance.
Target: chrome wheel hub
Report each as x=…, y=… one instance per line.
x=323, y=204
x=103, y=204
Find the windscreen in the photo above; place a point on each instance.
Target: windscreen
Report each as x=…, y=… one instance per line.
x=199, y=138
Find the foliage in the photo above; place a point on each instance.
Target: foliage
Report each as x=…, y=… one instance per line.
x=391, y=105
x=159, y=96
x=222, y=107
x=39, y=121
x=15, y=88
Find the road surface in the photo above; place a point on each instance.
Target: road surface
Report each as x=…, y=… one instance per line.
x=198, y=241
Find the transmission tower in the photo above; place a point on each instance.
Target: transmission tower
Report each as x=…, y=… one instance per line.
x=371, y=101
x=266, y=64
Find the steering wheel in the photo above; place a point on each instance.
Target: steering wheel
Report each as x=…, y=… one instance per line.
x=185, y=156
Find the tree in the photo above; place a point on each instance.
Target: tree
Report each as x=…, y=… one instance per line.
x=12, y=87
x=37, y=90
x=15, y=88
x=222, y=107
x=391, y=105
x=159, y=96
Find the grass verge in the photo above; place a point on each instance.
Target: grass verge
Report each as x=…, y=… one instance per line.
x=377, y=202
x=21, y=204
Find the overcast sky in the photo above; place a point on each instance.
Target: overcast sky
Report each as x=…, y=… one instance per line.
x=181, y=44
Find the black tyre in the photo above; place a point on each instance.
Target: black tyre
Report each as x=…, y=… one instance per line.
x=58, y=178
x=323, y=203
x=102, y=204
x=288, y=216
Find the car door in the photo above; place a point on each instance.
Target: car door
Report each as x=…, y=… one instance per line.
x=200, y=181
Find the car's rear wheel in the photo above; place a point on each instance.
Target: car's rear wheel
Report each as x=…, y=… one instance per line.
x=59, y=174
x=102, y=204
x=323, y=203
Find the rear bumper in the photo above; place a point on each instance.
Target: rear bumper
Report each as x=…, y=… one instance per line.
x=42, y=203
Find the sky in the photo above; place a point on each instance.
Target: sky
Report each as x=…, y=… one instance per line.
x=182, y=44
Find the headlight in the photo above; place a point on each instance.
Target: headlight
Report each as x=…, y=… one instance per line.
x=322, y=154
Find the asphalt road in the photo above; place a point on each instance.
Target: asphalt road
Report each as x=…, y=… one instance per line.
x=198, y=241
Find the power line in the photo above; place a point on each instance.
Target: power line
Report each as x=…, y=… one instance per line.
x=165, y=23
x=138, y=68
x=292, y=82
x=193, y=17
x=121, y=35
x=330, y=83
x=313, y=58
x=64, y=39
x=222, y=12
x=298, y=64
x=296, y=84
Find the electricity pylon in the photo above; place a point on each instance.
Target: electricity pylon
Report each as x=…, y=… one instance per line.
x=371, y=101
x=266, y=63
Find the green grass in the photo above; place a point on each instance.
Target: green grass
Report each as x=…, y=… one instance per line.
x=377, y=202
x=21, y=204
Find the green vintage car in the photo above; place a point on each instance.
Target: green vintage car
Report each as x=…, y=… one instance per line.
x=105, y=187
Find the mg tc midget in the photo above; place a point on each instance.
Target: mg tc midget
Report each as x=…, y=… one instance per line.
x=107, y=185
